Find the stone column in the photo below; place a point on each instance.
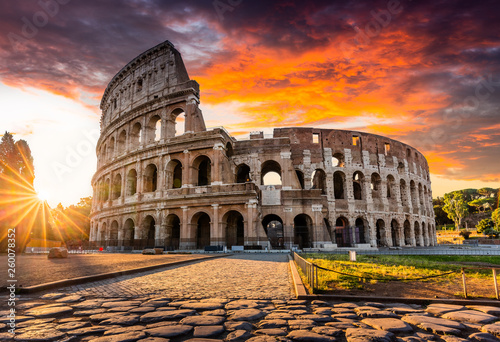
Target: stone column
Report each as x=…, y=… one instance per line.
x=215, y=234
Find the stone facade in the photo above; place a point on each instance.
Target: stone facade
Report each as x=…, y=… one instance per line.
x=163, y=179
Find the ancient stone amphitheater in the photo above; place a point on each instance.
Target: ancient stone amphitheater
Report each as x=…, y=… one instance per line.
x=164, y=180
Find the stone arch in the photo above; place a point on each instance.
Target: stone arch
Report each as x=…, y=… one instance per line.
x=381, y=233
x=153, y=130
x=136, y=136
x=300, y=178
x=243, y=173
x=407, y=233
x=121, y=144
x=129, y=233
x=174, y=174
x=425, y=234
x=113, y=234
x=401, y=168
x=107, y=184
x=102, y=235
x=303, y=231
x=343, y=233
x=339, y=185
x=395, y=233
x=271, y=173
x=420, y=195
x=234, y=228
x=361, y=230
x=111, y=148
x=150, y=178
x=104, y=151
x=116, y=191
x=172, y=232
x=229, y=150
x=131, y=182
x=202, y=170
x=148, y=231
x=376, y=185
x=338, y=160
x=391, y=188
x=202, y=222
x=358, y=180
x=178, y=119
x=418, y=234
x=273, y=226
x=319, y=181
x=413, y=194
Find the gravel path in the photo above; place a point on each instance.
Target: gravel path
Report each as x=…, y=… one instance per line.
x=34, y=269
x=262, y=276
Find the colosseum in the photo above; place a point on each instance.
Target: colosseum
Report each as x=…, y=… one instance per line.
x=164, y=180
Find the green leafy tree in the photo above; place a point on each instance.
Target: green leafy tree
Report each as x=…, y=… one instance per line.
x=484, y=226
x=73, y=223
x=495, y=217
x=456, y=207
x=440, y=215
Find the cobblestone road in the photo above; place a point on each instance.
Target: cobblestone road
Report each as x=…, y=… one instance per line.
x=259, y=276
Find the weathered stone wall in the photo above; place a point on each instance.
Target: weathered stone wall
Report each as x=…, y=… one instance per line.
x=159, y=185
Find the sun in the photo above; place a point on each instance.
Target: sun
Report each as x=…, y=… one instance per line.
x=43, y=195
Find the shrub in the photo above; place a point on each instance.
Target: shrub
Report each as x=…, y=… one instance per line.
x=465, y=234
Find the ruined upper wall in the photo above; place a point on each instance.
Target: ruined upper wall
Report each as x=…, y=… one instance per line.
x=156, y=73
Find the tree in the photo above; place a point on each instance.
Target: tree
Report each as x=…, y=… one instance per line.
x=456, y=207
x=440, y=215
x=73, y=223
x=17, y=195
x=484, y=226
x=495, y=217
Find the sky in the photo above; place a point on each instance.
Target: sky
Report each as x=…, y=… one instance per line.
x=426, y=73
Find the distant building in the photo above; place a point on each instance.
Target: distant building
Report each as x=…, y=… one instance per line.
x=163, y=179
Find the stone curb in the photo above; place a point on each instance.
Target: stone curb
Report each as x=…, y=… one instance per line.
x=79, y=280
x=298, y=285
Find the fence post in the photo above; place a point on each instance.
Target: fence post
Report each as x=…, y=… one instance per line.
x=463, y=281
x=495, y=281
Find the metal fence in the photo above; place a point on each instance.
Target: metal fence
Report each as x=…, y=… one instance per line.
x=309, y=269
x=465, y=250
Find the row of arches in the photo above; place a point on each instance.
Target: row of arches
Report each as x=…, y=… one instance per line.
x=395, y=234
x=135, y=134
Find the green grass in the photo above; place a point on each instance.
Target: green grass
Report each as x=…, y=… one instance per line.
x=391, y=267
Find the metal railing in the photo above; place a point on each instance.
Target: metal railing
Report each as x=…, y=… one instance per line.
x=309, y=269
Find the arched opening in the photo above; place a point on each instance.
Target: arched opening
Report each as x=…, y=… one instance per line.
x=139, y=85
x=300, y=177
x=202, y=167
x=357, y=185
x=150, y=178
x=414, y=194
x=136, y=135
x=107, y=184
x=376, y=185
x=420, y=194
x=381, y=234
x=111, y=148
x=343, y=233
x=403, y=192
x=131, y=182
x=154, y=129
x=407, y=233
x=148, y=232
x=174, y=174
x=395, y=232
x=235, y=230
x=229, y=150
x=302, y=231
x=113, y=234
x=338, y=185
x=319, y=181
x=425, y=234
x=273, y=226
x=179, y=122
x=117, y=187
x=128, y=233
x=122, y=142
x=102, y=237
x=338, y=160
x=271, y=173
x=243, y=173
x=202, y=221
x=418, y=234
x=401, y=168
x=360, y=230
x=173, y=232
x=104, y=151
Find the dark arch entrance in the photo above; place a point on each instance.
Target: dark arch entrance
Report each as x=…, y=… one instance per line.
x=148, y=227
x=302, y=227
x=395, y=232
x=360, y=230
x=128, y=234
x=343, y=233
x=273, y=225
x=235, y=231
x=202, y=230
x=381, y=234
x=173, y=232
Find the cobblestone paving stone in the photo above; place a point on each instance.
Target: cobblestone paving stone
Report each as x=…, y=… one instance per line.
x=227, y=315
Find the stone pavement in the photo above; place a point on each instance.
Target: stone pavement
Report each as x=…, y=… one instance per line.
x=224, y=315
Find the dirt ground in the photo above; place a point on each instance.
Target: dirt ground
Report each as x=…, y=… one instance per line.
x=452, y=289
